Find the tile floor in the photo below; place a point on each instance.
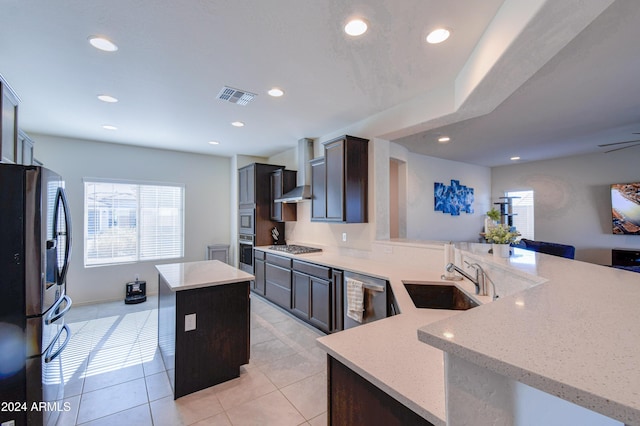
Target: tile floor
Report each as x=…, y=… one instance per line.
x=114, y=374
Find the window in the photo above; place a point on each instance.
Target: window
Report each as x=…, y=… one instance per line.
x=131, y=222
x=523, y=209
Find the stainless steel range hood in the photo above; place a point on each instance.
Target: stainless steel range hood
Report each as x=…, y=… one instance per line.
x=302, y=191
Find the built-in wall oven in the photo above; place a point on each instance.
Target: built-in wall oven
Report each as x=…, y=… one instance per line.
x=245, y=253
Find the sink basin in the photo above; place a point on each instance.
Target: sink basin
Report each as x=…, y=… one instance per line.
x=439, y=296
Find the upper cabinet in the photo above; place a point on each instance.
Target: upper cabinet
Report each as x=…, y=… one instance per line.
x=24, y=149
x=282, y=181
x=9, y=123
x=246, y=186
x=345, y=181
x=318, y=190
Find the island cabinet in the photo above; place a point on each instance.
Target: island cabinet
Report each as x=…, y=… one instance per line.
x=282, y=181
x=277, y=278
x=203, y=323
x=345, y=181
x=353, y=400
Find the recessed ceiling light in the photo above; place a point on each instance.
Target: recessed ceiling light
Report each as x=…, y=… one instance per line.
x=214, y=143
x=514, y=158
x=355, y=27
x=276, y=92
x=102, y=44
x=444, y=139
x=107, y=98
x=237, y=124
x=109, y=127
x=438, y=36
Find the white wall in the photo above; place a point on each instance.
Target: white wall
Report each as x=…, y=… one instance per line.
x=423, y=222
x=572, y=199
x=207, y=197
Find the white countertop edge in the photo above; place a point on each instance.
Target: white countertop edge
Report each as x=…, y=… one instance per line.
x=562, y=390
x=181, y=276
x=372, y=378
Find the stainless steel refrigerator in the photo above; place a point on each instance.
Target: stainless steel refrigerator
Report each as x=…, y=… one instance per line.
x=35, y=246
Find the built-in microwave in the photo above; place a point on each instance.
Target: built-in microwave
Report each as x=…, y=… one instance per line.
x=246, y=221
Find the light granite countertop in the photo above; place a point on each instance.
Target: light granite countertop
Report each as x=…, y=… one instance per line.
x=207, y=273
x=576, y=336
x=572, y=331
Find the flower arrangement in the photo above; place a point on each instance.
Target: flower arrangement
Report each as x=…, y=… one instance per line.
x=501, y=234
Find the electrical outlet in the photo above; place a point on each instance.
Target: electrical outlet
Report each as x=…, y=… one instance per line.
x=189, y=322
x=344, y=237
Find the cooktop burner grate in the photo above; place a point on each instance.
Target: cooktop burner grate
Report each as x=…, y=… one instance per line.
x=295, y=249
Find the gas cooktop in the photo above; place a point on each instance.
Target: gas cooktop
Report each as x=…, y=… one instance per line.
x=295, y=249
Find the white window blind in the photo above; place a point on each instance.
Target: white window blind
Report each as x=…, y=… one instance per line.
x=523, y=208
x=129, y=222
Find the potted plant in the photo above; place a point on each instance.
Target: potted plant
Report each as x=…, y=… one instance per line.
x=501, y=236
x=494, y=214
x=493, y=217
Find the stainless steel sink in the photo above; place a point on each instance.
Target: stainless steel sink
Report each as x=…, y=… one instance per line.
x=439, y=296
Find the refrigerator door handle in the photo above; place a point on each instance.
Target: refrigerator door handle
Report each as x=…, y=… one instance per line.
x=54, y=315
x=61, y=198
x=48, y=355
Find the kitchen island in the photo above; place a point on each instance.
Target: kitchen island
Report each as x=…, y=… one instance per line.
x=203, y=323
x=567, y=329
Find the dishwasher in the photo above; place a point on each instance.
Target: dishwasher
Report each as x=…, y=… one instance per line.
x=376, y=305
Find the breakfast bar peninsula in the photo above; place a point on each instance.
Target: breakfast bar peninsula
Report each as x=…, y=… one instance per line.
x=203, y=323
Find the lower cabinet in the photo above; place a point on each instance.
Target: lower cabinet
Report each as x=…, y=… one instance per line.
x=258, y=272
x=310, y=291
x=277, y=283
x=353, y=400
x=312, y=294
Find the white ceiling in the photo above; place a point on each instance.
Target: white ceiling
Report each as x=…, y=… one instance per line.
x=174, y=58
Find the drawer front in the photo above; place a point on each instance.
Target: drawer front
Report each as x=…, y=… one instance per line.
x=258, y=254
x=281, y=261
x=278, y=276
x=312, y=269
x=278, y=295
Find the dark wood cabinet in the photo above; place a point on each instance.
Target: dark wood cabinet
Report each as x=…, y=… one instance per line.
x=8, y=123
x=345, y=181
x=353, y=400
x=212, y=352
x=312, y=294
x=310, y=291
x=337, y=302
x=259, y=272
x=301, y=295
x=278, y=280
x=320, y=314
x=318, y=190
x=246, y=186
x=282, y=181
x=254, y=196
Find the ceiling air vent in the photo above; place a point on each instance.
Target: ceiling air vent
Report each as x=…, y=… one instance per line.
x=236, y=96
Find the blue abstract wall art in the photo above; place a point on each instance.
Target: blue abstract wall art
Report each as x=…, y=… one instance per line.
x=453, y=199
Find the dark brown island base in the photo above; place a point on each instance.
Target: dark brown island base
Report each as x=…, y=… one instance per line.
x=203, y=323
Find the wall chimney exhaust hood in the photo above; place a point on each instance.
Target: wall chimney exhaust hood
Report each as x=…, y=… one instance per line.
x=302, y=191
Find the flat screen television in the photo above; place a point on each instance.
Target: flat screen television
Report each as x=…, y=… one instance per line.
x=625, y=208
